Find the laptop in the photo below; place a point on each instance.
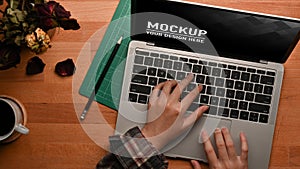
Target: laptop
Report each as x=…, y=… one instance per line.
x=237, y=56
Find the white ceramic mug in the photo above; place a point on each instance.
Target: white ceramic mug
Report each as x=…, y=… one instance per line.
x=12, y=120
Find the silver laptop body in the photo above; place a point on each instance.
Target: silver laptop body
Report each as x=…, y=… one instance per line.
x=189, y=145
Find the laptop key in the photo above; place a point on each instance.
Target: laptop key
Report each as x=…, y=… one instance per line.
x=258, y=88
x=187, y=67
x=268, y=90
x=210, y=90
x=204, y=99
x=245, y=76
x=206, y=70
x=219, y=82
x=180, y=75
x=148, y=61
x=143, y=99
x=271, y=73
x=230, y=93
x=220, y=65
x=220, y=92
x=164, y=56
x=152, y=71
x=241, y=68
x=239, y=95
x=161, y=73
x=193, y=61
x=152, y=81
x=161, y=80
x=229, y=83
x=259, y=108
x=212, y=110
x=243, y=105
x=223, y=112
x=239, y=85
x=244, y=115
x=177, y=66
x=253, y=117
x=139, y=79
x=249, y=96
x=231, y=67
x=173, y=57
x=250, y=70
x=210, y=81
x=235, y=75
x=168, y=64
x=140, y=89
x=139, y=59
x=248, y=87
x=233, y=104
x=197, y=68
x=184, y=59
x=144, y=53
x=133, y=97
x=216, y=72
x=254, y=78
x=139, y=69
x=267, y=80
x=154, y=55
x=263, y=98
x=213, y=64
x=263, y=118
x=200, y=79
x=171, y=74
x=158, y=62
x=234, y=114
x=261, y=72
x=226, y=73
x=224, y=102
x=214, y=101
x=190, y=87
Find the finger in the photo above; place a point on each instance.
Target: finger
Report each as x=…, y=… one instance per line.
x=229, y=144
x=156, y=92
x=244, y=147
x=188, y=99
x=179, y=88
x=209, y=150
x=220, y=143
x=195, y=164
x=169, y=85
x=193, y=117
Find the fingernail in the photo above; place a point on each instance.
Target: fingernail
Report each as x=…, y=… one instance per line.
x=224, y=129
x=204, y=136
x=204, y=108
x=217, y=130
x=200, y=88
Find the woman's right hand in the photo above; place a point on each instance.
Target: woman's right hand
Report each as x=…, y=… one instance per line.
x=227, y=157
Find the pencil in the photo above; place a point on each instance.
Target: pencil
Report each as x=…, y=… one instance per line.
x=100, y=79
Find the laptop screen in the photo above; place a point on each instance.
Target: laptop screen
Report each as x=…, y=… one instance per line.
x=214, y=31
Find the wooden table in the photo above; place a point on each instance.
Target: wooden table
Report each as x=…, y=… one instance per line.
x=58, y=141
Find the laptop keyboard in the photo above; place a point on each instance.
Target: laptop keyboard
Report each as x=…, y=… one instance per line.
x=231, y=91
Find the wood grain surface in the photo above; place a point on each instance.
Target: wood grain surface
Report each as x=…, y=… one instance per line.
x=57, y=140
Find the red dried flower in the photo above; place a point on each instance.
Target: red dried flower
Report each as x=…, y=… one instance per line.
x=65, y=68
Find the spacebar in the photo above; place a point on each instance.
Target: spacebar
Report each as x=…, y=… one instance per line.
x=259, y=108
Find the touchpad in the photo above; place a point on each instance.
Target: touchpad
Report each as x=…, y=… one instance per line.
x=209, y=124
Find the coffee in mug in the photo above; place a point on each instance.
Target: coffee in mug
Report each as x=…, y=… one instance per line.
x=12, y=118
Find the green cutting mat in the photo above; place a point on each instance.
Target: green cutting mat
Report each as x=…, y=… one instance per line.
x=110, y=90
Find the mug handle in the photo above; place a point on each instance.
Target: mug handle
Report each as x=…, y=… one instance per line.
x=21, y=129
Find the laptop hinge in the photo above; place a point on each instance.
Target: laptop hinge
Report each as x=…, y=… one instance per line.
x=150, y=44
x=263, y=61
